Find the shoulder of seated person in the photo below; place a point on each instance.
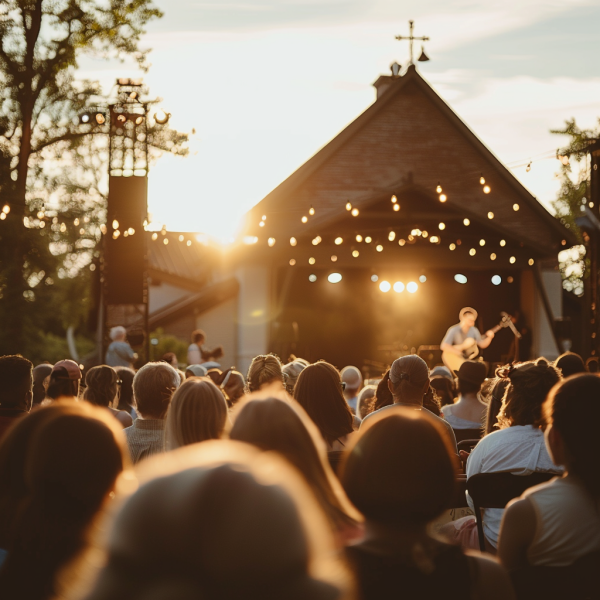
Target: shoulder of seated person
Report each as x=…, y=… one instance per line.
x=493, y=581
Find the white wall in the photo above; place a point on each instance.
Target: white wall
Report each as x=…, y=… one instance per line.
x=543, y=339
x=163, y=294
x=220, y=325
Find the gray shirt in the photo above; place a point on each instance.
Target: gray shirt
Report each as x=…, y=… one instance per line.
x=455, y=335
x=145, y=438
x=119, y=354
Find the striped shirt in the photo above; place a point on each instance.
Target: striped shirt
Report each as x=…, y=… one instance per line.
x=145, y=438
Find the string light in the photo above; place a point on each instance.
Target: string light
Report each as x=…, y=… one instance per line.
x=293, y=241
x=338, y=241
x=368, y=240
x=490, y=215
x=115, y=224
x=316, y=241
x=424, y=234
x=292, y=262
x=401, y=242
x=304, y=219
x=482, y=180
x=354, y=212
x=516, y=207
x=396, y=207
x=392, y=236
x=442, y=226
x=385, y=286
x=311, y=211
x=311, y=261
x=359, y=238
x=530, y=262
x=3, y=216
x=472, y=251
x=487, y=189
x=271, y=242
x=443, y=197
x=438, y=189
x=482, y=242
x=333, y=258
x=503, y=243
x=412, y=287
x=116, y=234
x=466, y=222
x=452, y=246
x=75, y=222
x=512, y=260
x=6, y=209
x=434, y=239
x=528, y=167
x=379, y=248
x=492, y=256
x=261, y=224
x=348, y=206
x=394, y=199
x=355, y=253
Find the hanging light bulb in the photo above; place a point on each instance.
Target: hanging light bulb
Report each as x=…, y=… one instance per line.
x=396, y=207
x=348, y=206
x=438, y=189
x=482, y=180
x=271, y=242
x=359, y=238
x=443, y=197
x=466, y=222
x=311, y=211
x=394, y=199
x=490, y=215
x=293, y=241
x=528, y=167
x=401, y=242
x=503, y=243
x=392, y=236
x=452, y=246
x=516, y=207
x=482, y=242
x=261, y=224
x=355, y=253
x=493, y=256
x=115, y=224
x=338, y=241
x=487, y=189
x=512, y=260
x=472, y=251
x=304, y=219
x=379, y=248
x=312, y=261
x=354, y=212
x=264, y=217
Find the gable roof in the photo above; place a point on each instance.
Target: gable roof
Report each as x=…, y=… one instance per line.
x=409, y=136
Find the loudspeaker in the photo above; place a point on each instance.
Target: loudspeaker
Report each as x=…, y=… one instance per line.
x=125, y=255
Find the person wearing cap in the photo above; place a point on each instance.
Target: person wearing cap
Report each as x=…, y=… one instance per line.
x=469, y=411
x=408, y=383
x=64, y=380
x=195, y=371
x=353, y=379
x=120, y=353
x=16, y=389
x=461, y=336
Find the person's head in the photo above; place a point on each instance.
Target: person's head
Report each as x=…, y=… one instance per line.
x=16, y=382
x=444, y=389
x=118, y=333
x=170, y=358
x=409, y=379
x=467, y=316
x=220, y=520
x=233, y=386
x=592, y=364
x=291, y=372
x=64, y=380
x=364, y=397
x=101, y=386
x=198, y=337
x=432, y=402
x=126, y=376
x=265, y=369
x=529, y=385
x=153, y=386
x=471, y=375
x=195, y=371
x=71, y=466
x=319, y=391
x=400, y=469
x=569, y=364
x=353, y=379
x=39, y=374
x=571, y=413
x=495, y=403
x=198, y=412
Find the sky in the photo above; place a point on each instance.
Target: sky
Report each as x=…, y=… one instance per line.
x=267, y=83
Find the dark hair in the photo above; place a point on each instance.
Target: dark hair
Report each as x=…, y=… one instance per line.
x=573, y=409
x=592, y=364
x=569, y=364
x=467, y=387
x=431, y=402
x=101, y=386
x=126, y=376
x=530, y=383
x=39, y=374
x=319, y=390
x=198, y=412
x=198, y=336
x=16, y=380
x=495, y=404
x=153, y=386
x=71, y=466
x=400, y=469
x=444, y=389
x=61, y=386
x=264, y=369
x=169, y=357
x=215, y=354
x=383, y=396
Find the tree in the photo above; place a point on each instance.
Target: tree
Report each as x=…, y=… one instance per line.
x=51, y=168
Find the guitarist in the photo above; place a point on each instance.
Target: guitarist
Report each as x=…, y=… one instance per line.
x=464, y=334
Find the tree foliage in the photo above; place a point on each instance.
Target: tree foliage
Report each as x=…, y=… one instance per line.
x=53, y=169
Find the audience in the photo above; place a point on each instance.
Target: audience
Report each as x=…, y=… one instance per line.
x=265, y=370
x=275, y=425
x=102, y=389
x=352, y=378
x=495, y=404
x=408, y=383
x=556, y=523
x=469, y=410
x=383, y=396
x=64, y=380
x=195, y=371
x=70, y=468
x=234, y=387
x=119, y=352
x=383, y=475
x=16, y=390
x=153, y=386
x=39, y=374
x=198, y=412
x=319, y=392
x=221, y=520
x=592, y=365
x=364, y=398
x=126, y=401
x=444, y=388
x=569, y=364
x=291, y=372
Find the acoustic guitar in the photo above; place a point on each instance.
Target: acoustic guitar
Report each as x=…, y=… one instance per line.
x=471, y=349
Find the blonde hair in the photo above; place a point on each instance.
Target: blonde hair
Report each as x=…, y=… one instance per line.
x=198, y=412
x=264, y=369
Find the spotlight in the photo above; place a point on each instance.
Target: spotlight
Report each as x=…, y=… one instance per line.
x=412, y=287
x=385, y=286
x=459, y=278
x=496, y=280
x=312, y=277
x=374, y=278
x=334, y=278
x=162, y=117
x=398, y=287
x=422, y=279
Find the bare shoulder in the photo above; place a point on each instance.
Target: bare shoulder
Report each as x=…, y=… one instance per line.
x=492, y=580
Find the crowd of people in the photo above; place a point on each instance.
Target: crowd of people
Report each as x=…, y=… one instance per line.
x=296, y=481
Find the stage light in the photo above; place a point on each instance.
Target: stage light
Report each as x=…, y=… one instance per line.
x=115, y=224
x=385, y=286
x=374, y=278
x=482, y=242
x=261, y=224
x=487, y=189
x=452, y=246
x=401, y=242
x=348, y=206
x=396, y=207
x=249, y=240
x=368, y=240
x=312, y=261
x=359, y=238
x=466, y=222
x=311, y=211
x=338, y=241
x=422, y=279
x=492, y=256
x=530, y=262
x=392, y=236
x=355, y=212
x=161, y=117
x=490, y=215
x=482, y=180
x=516, y=207
x=438, y=189
x=271, y=242
x=305, y=219
x=333, y=258
x=394, y=199
x=496, y=280
x=472, y=251
x=398, y=287
x=355, y=253
x=459, y=278
x=442, y=226
x=312, y=277
x=293, y=241
x=334, y=278
x=379, y=248
x=512, y=260
x=443, y=197
x=503, y=243
x=412, y=287
x=292, y=262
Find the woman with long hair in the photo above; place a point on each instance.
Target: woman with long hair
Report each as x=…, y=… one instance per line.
x=280, y=426
x=383, y=396
x=70, y=469
x=102, y=388
x=400, y=473
x=198, y=412
x=556, y=523
x=319, y=391
x=265, y=370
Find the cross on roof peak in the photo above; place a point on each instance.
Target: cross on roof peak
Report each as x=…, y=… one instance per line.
x=411, y=38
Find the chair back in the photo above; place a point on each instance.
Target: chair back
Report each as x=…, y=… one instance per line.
x=467, y=434
x=496, y=490
x=467, y=445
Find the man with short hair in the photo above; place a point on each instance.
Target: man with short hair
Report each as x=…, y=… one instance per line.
x=119, y=352
x=153, y=387
x=352, y=378
x=194, y=356
x=16, y=389
x=462, y=335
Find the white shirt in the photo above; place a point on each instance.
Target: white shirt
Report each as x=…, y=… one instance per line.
x=458, y=422
x=520, y=450
x=193, y=355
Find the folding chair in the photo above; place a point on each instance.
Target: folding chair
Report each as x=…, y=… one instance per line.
x=496, y=490
x=467, y=434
